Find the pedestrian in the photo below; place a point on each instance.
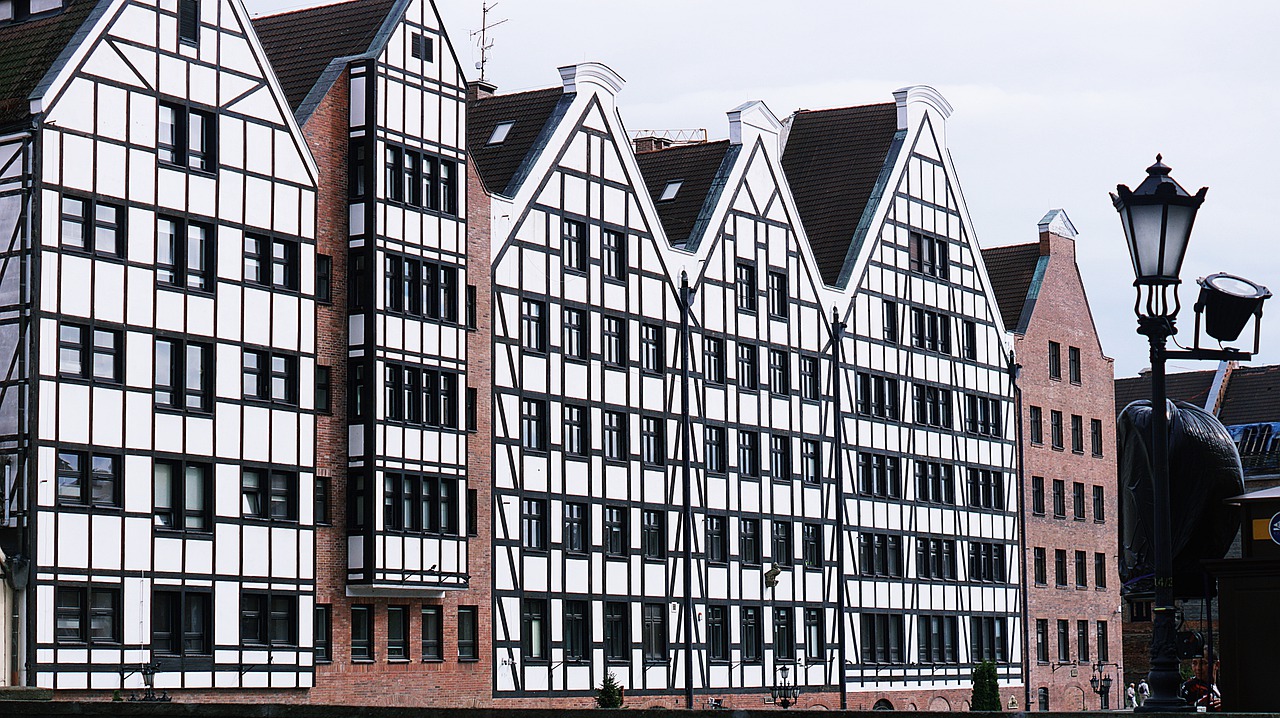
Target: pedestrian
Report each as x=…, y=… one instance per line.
x=1130, y=694
x=1144, y=691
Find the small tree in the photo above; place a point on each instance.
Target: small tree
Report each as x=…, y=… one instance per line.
x=610, y=693
x=986, y=689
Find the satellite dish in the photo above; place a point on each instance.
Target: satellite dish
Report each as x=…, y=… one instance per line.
x=479, y=65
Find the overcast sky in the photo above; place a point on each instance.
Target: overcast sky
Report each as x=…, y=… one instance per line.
x=1054, y=103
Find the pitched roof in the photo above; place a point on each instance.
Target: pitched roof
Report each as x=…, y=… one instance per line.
x=302, y=43
x=1190, y=386
x=833, y=160
x=1253, y=396
x=696, y=167
x=1012, y=269
x=28, y=50
x=499, y=164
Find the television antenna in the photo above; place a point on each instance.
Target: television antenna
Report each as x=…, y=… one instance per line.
x=485, y=43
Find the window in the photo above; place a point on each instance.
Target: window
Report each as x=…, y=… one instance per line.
x=670, y=190
x=752, y=641
x=1041, y=575
x=614, y=436
x=615, y=341
x=1037, y=495
x=717, y=541
x=982, y=415
x=878, y=476
x=653, y=632
x=935, y=483
x=576, y=440
x=615, y=531
x=1036, y=420
x=422, y=180
x=782, y=549
x=271, y=262
x=617, y=641
x=187, y=137
x=533, y=424
x=1099, y=505
x=577, y=631
x=323, y=630
x=184, y=375
x=652, y=356
x=779, y=372
x=182, y=496
x=653, y=534
x=1082, y=640
x=1104, y=654
x=613, y=247
x=931, y=405
x=533, y=325
x=189, y=21
x=577, y=530
x=937, y=639
x=324, y=390
x=715, y=449
x=745, y=286
x=1077, y=434
x=500, y=131
x=891, y=333
x=1140, y=611
x=269, y=494
x=574, y=244
x=356, y=168
x=810, y=461
x=653, y=441
x=1060, y=568
x=748, y=371
x=420, y=46
x=473, y=310
x=713, y=359
x=324, y=279
x=87, y=615
x=935, y=559
x=90, y=353
x=362, y=633
x=811, y=546
x=473, y=408
x=432, y=634
x=784, y=634
x=717, y=633
x=986, y=489
x=778, y=296
x=880, y=555
x=809, y=388
x=426, y=397
x=88, y=479
x=986, y=562
x=882, y=637
x=397, y=633
x=987, y=639
x=928, y=255
x=1073, y=364
x=930, y=331
x=1077, y=500
x=1055, y=360
x=877, y=396
x=423, y=289
x=748, y=453
x=268, y=619
x=1042, y=640
x=94, y=227
x=749, y=540
x=969, y=339
x=473, y=512
x=535, y=629
x=780, y=457
x=270, y=377
x=1095, y=436
x=1059, y=499
x=575, y=335
x=1099, y=570
x=1064, y=640
x=1082, y=574
x=533, y=524
x=815, y=648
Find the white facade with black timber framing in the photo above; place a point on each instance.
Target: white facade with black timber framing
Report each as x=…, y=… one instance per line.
x=158, y=211
x=906, y=583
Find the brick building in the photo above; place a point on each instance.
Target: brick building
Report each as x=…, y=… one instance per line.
x=1067, y=437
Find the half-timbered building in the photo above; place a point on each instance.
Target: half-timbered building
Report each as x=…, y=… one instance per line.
x=157, y=209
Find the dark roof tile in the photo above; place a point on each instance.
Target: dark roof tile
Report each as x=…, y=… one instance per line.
x=1012, y=269
x=1253, y=396
x=696, y=167
x=499, y=163
x=28, y=50
x=1191, y=386
x=833, y=160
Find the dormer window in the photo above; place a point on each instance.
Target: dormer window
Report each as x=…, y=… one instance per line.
x=500, y=133
x=669, y=192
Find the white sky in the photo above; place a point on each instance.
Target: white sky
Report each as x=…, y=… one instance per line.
x=1054, y=104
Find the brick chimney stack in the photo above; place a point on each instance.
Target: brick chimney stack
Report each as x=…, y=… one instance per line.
x=479, y=90
x=651, y=143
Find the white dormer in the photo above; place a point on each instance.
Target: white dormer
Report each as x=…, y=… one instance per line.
x=751, y=120
x=576, y=77
x=915, y=101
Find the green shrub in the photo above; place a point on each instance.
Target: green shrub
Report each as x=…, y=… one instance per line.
x=986, y=689
x=610, y=693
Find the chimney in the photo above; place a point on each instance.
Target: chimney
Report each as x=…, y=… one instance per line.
x=479, y=90
x=651, y=143
x=1056, y=223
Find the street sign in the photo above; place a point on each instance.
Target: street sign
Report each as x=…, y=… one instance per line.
x=1275, y=528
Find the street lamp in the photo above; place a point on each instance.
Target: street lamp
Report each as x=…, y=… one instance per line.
x=1157, y=219
x=785, y=694
x=1101, y=684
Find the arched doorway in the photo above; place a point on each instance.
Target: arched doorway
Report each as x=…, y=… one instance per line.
x=882, y=705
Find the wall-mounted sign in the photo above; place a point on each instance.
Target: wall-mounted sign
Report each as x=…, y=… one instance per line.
x=1275, y=528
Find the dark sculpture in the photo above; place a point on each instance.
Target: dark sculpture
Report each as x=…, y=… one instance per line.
x=1204, y=469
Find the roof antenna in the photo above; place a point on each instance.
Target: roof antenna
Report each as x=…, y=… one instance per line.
x=485, y=43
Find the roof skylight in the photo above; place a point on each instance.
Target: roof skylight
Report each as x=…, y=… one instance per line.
x=500, y=133
x=669, y=192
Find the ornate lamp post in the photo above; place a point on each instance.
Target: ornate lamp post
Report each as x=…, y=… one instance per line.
x=1157, y=219
x=784, y=693
x=1101, y=684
